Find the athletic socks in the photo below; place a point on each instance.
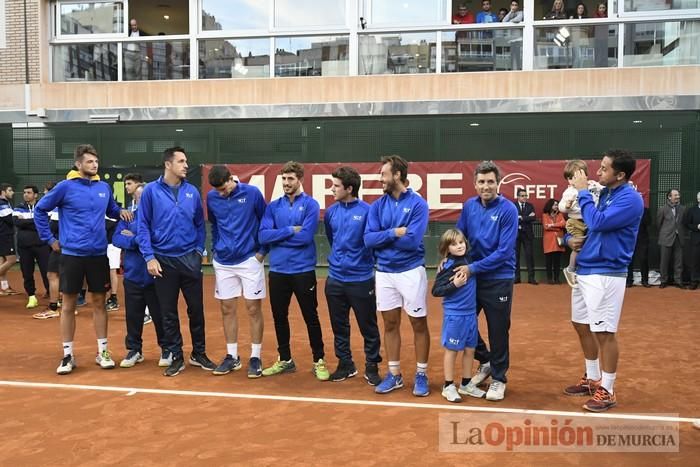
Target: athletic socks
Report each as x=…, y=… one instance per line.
x=67, y=349
x=608, y=381
x=4, y=285
x=465, y=381
x=593, y=369
x=395, y=368
x=422, y=368
x=447, y=383
x=255, y=350
x=53, y=306
x=102, y=345
x=232, y=349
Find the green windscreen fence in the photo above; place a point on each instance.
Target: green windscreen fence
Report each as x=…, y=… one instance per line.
x=670, y=139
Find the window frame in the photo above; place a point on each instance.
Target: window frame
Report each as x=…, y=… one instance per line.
x=74, y=38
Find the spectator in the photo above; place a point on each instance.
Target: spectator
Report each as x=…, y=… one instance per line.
x=132, y=53
x=557, y=11
x=641, y=252
x=526, y=217
x=601, y=10
x=552, y=239
x=463, y=16
x=502, y=14
x=671, y=237
x=514, y=15
x=692, y=223
x=486, y=15
x=581, y=12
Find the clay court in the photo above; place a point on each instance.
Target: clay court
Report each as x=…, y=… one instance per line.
x=138, y=417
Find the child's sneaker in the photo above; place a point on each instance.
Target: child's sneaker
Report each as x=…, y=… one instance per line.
x=472, y=390
x=451, y=394
x=570, y=277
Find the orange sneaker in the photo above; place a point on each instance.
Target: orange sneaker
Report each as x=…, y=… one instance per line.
x=585, y=387
x=602, y=400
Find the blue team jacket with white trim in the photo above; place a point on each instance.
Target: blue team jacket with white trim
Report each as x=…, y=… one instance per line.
x=235, y=221
x=135, y=269
x=394, y=254
x=168, y=226
x=82, y=205
x=349, y=260
x=492, y=231
x=290, y=252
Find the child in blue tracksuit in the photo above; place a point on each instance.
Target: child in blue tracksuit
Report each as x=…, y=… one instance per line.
x=459, y=323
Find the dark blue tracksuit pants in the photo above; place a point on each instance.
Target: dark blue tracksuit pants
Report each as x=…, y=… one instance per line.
x=495, y=297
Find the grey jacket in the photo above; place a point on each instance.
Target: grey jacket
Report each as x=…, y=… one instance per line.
x=670, y=225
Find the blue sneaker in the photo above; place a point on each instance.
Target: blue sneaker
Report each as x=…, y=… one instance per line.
x=81, y=300
x=254, y=368
x=389, y=383
x=421, y=388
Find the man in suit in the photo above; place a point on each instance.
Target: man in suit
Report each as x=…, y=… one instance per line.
x=671, y=237
x=641, y=252
x=692, y=223
x=526, y=217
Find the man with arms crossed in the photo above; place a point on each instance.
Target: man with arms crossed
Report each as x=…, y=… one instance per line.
x=82, y=200
x=171, y=239
x=490, y=222
x=350, y=280
x=395, y=227
x=234, y=211
x=596, y=304
x=288, y=229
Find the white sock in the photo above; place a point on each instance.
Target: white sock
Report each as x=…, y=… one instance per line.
x=593, y=369
x=67, y=349
x=421, y=368
x=608, y=381
x=232, y=349
x=255, y=350
x=395, y=368
x=4, y=284
x=102, y=345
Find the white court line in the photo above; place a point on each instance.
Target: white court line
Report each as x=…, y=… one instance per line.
x=324, y=400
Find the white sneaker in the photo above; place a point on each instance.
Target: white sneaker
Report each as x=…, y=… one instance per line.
x=450, y=393
x=482, y=373
x=104, y=359
x=497, y=391
x=132, y=358
x=147, y=318
x=570, y=277
x=66, y=366
x=166, y=359
x=471, y=390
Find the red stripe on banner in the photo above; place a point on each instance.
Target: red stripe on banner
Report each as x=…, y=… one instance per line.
x=445, y=185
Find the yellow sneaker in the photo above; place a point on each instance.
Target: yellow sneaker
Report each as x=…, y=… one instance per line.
x=321, y=371
x=33, y=302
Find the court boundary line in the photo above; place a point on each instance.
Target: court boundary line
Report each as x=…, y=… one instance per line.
x=131, y=391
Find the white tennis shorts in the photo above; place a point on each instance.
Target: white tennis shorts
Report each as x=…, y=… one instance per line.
x=405, y=290
x=597, y=301
x=246, y=278
x=114, y=255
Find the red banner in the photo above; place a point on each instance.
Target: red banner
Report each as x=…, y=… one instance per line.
x=445, y=185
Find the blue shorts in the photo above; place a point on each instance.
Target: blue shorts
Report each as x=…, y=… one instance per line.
x=459, y=332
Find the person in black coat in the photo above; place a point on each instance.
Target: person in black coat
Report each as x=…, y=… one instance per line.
x=526, y=217
x=692, y=223
x=641, y=252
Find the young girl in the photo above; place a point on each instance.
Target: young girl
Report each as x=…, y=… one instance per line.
x=459, y=324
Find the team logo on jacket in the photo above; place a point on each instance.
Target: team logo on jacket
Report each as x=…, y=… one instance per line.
x=102, y=195
x=357, y=218
x=301, y=208
x=241, y=200
x=494, y=217
x=406, y=210
x=189, y=195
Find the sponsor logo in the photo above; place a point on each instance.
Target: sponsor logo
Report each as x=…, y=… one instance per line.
x=598, y=323
x=406, y=210
x=453, y=341
x=258, y=292
x=494, y=217
x=189, y=195
x=503, y=299
x=312, y=288
x=357, y=218
x=102, y=195
x=242, y=200
x=417, y=310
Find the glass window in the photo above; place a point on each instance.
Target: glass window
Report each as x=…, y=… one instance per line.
x=397, y=53
x=662, y=44
x=156, y=60
x=234, y=58
x=419, y=12
x=229, y=15
x=92, y=18
x=491, y=50
x=305, y=13
x=576, y=47
x=657, y=5
x=85, y=62
x=311, y=56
